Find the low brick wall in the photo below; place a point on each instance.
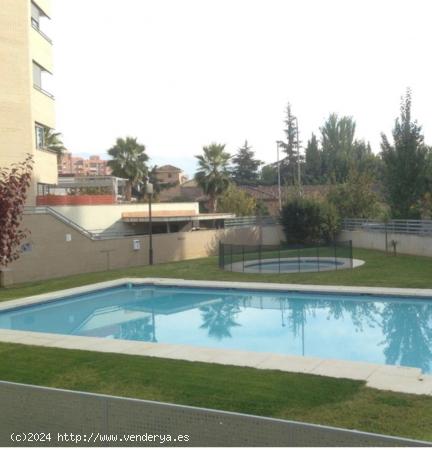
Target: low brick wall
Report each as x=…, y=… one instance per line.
x=101, y=420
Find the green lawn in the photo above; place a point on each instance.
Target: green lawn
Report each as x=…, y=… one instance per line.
x=379, y=270
x=327, y=401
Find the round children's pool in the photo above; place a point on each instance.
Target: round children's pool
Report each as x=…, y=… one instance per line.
x=290, y=265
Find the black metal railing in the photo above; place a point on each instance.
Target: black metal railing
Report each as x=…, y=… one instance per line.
x=286, y=258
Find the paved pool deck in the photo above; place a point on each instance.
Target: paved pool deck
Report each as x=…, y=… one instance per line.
x=386, y=377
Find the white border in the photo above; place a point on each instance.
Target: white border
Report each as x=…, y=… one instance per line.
x=380, y=376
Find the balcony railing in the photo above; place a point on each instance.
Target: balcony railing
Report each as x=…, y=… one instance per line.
x=35, y=26
x=43, y=91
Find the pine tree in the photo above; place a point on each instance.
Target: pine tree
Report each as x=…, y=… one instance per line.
x=245, y=170
x=289, y=163
x=405, y=164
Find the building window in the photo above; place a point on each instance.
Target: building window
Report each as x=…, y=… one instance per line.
x=43, y=189
x=40, y=136
x=40, y=21
x=41, y=79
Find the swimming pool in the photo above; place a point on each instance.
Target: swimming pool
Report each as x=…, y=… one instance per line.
x=368, y=328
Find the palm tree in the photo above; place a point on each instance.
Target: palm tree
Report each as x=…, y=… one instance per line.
x=129, y=161
x=213, y=175
x=54, y=142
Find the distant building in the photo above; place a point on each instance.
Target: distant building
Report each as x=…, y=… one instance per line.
x=76, y=165
x=170, y=175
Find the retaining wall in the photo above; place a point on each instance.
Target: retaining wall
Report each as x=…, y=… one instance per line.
x=406, y=243
x=54, y=249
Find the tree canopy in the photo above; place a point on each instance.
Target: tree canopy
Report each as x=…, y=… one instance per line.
x=129, y=161
x=405, y=164
x=213, y=174
x=245, y=166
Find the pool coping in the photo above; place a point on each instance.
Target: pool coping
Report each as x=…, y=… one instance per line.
x=380, y=376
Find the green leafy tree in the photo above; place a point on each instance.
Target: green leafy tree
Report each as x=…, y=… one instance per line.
x=238, y=202
x=269, y=175
x=337, y=138
x=313, y=161
x=309, y=221
x=355, y=198
x=245, y=170
x=129, y=161
x=213, y=175
x=53, y=141
x=405, y=164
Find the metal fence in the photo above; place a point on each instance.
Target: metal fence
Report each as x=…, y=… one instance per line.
x=286, y=258
x=414, y=227
x=249, y=221
x=44, y=417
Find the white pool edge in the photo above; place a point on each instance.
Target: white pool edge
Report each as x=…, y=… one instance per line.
x=379, y=376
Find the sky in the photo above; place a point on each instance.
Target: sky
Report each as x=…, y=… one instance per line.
x=181, y=74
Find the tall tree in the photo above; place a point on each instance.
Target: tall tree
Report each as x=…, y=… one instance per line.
x=337, y=138
x=54, y=141
x=313, y=161
x=245, y=170
x=14, y=185
x=405, y=163
x=289, y=163
x=129, y=161
x=213, y=175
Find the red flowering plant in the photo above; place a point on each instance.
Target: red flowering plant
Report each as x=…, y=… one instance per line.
x=14, y=185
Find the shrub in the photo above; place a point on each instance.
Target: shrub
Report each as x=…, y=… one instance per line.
x=309, y=221
x=355, y=199
x=236, y=201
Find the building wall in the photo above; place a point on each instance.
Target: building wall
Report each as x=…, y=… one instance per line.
x=20, y=104
x=53, y=255
x=406, y=243
x=16, y=136
x=108, y=217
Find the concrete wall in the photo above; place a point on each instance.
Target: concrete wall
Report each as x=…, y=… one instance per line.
x=53, y=255
x=406, y=243
x=99, y=218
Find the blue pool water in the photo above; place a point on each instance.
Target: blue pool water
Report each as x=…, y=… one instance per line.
x=367, y=328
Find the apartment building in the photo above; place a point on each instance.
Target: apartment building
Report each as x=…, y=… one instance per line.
x=77, y=165
x=26, y=103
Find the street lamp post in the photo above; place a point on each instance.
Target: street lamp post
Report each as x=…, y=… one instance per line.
x=300, y=190
x=149, y=191
x=279, y=177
